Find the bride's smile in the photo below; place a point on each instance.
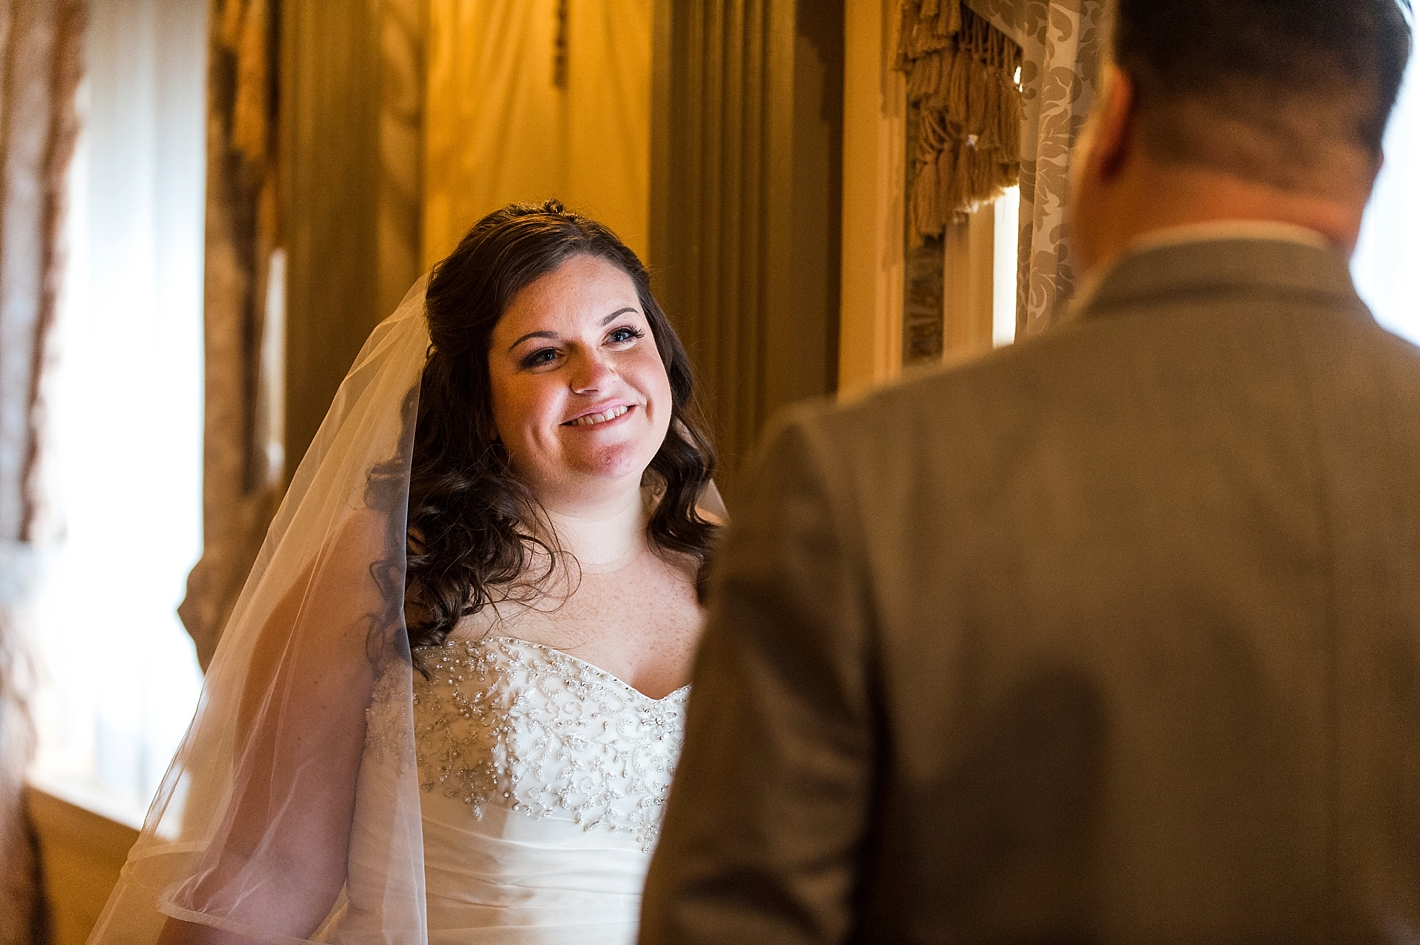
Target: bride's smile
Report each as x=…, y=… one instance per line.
x=598, y=417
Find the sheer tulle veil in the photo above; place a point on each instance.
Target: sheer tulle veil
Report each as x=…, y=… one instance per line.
x=250, y=830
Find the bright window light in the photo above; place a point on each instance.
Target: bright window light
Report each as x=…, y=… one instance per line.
x=119, y=680
x=1385, y=260
x=1008, y=215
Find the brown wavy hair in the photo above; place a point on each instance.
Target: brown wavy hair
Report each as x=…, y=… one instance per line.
x=468, y=541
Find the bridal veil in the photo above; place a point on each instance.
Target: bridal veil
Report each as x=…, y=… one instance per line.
x=250, y=830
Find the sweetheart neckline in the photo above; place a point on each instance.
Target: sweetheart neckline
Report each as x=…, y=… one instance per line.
x=554, y=651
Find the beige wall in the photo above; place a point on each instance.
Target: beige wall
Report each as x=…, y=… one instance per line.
x=500, y=127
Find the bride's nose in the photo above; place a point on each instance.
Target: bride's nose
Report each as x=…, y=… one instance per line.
x=590, y=373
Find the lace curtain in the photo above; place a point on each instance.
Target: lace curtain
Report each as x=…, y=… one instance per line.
x=41, y=48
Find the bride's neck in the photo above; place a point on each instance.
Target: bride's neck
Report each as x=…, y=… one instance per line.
x=602, y=535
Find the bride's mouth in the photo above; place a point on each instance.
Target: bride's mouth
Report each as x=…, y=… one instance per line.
x=594, y=419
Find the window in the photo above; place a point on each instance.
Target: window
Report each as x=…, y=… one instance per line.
x=979, y=278
x=1004, y=259
x=1385, y=258
x=119, y=679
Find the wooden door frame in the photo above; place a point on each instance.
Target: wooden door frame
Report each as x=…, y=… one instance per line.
x=874, y=189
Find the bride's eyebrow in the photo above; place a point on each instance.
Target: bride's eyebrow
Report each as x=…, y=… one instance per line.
x=533, y=334
x=553, y=335
x=617, y=314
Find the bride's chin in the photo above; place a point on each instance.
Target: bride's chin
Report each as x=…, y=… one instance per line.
x=612, y=463
x=595, y=486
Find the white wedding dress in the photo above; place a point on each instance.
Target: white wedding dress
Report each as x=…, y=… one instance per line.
x=544, y=780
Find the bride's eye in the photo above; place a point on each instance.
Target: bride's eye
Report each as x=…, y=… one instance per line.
x=540, y=357
x=624, y=334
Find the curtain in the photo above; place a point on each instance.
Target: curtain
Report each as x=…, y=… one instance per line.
x=976, y=132
x=41, y=47
x=243, y=461
x=1063, y=43
x=531, y=99
x=314, y=161
x=747, y=205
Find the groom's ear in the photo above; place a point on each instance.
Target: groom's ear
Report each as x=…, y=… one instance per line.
x=1116, y=125
x=1098, y=165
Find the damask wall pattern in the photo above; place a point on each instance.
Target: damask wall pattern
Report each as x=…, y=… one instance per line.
x=1063, y=41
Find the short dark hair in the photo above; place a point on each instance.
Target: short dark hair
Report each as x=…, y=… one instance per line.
x=1263, y=63
x=469, y=543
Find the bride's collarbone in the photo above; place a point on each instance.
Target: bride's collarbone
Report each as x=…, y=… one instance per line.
x=640, y=623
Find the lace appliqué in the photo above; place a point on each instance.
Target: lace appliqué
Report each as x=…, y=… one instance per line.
x=507, y=722
x=387, y=723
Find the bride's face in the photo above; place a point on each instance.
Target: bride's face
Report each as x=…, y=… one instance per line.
x=581, y=400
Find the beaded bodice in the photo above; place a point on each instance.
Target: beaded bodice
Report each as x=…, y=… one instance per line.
x=507, y=722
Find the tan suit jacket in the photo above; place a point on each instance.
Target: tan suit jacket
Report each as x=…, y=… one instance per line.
x=1112, y=636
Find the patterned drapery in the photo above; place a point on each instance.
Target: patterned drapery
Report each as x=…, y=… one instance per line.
x=241, y=477
x=41, y=48
x=1063, y=42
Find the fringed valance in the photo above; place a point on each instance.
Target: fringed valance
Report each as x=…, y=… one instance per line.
x=963, y=77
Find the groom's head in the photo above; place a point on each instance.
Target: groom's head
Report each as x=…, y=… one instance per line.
x=1213, y=110
x=1264, y=89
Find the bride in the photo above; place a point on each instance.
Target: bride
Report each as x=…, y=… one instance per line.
x=449, y=702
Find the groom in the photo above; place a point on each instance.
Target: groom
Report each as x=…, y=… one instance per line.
x=1114, y=635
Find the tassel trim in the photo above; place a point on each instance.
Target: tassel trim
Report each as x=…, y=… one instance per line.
x=962, y=77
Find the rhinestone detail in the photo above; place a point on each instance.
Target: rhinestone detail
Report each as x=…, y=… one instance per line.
x=533, y=729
